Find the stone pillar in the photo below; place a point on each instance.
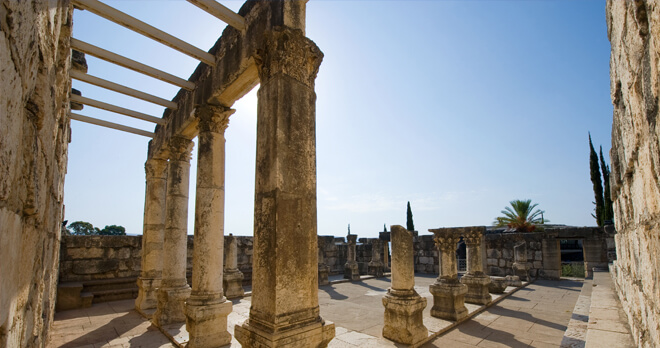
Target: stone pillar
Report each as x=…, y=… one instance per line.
x=386, y=255
x=324, y=269
x=595, y=255
x=285, y=308
x=475, y=278
x=351, y=270
x=207, y=308
x=232, y=280
x=520, y=266
x=448, y=293
x=403, y=306
x=152, y=235
x=174, y=290
x=551, y=258
x=375, y=265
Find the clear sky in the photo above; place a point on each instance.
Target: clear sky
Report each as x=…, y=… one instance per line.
x=456, y=106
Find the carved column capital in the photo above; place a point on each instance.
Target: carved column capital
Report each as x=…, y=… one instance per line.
x=180, y=149
x=287, y=51
x=446, y=239
x=472, y=236
x=213, y=118
x=156, y=168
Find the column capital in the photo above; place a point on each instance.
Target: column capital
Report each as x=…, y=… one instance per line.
x=351, y=239
x=156, y=168
x=180, y=149
x=213, y=118
x=287, y=51
x=446, y=239
x=472, y=236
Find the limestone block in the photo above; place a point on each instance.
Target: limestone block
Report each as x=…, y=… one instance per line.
x=501, y=263
x=497, y=285
x=207, y=324
x=449, y=300
x=491, y=262
x=84, y=253
x=403, y=321
x=477, y=286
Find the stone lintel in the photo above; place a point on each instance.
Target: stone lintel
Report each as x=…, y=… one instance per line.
x=404, y=317
x=206, y=324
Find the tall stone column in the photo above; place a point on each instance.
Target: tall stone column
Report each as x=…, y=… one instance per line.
x=448, y=293
x=403, y=305
x=285, y=308
x=174, y=290
x=351, y=269
x=152, y=234
x=475, y=278
x=376, y=265
x=207, y=308
x=232, y=280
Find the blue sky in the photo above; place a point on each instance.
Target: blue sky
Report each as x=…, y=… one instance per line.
x=456, y=106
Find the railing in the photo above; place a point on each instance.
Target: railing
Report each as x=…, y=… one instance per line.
x=462, y=265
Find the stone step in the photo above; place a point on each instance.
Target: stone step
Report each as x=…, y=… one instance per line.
x=114, y=295
x=95, y=286
x=576, y=331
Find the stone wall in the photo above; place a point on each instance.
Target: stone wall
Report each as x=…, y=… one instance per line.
x=500, y=257
x=634, y=33
x=99, y=257
x=34, y=135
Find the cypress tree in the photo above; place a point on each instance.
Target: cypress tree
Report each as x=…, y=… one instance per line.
x=409, y=219
x=384, y=228
x=597, y=184
x=608, y=209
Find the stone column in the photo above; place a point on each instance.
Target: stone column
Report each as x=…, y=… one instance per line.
x=174, y=290
x=207, y=308
x=551, y=258
x=351, y=269
x=152, y=235
x=285, y=308
x=375, y=265
x=448, y=293
x=386, y=255
x=475, y=278
x=520, y=266
x=324, y=269
x=403, y=305
x=232, y=280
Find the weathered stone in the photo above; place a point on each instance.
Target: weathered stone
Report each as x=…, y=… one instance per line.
x=497, y=285
x=403, y=321
x=351, y=270
x=448, y=293
x=232, y=281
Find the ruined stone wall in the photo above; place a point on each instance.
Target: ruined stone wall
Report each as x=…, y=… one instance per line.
x=34, y=132
x=426, y=255
x=99, y=257
x=500, y=256
x=634, y=33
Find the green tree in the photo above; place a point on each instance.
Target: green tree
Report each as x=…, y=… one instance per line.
x=521, y=216
x=597, y=184
x=608, y=210
x=409, y=219
x=82, y=228
x=113, y=230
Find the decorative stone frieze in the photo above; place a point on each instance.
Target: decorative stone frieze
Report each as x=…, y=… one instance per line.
x=403, y=305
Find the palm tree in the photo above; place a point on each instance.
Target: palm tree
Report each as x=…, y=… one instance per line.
x=522, y=218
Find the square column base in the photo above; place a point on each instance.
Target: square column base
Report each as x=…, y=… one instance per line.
x=207, y=324
x=477, y=289
x=403, y=317
x=351, y=271
x=147, y=294
x=317, y=334
x=375, y=269
x=512, y=280
x=497, y=285
x=171, y=306
x=449, y=300
x=232, y=283
x=323, y=275
x=520, y=269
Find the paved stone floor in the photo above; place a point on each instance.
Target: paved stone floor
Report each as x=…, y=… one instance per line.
x=534, y=316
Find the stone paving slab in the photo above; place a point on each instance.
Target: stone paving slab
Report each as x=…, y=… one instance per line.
x=521, y=319
x=608, y=325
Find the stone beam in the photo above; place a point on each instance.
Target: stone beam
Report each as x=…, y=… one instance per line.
x=235, y=72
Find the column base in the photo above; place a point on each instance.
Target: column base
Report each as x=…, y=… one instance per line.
x=497, y=285
x=206, y=323
x=351, y=271
x=147, y=294
x=449, y=300
x=520, y=269
x=403, y=317
x=477, y=289
x=512, y=280
x=171, y=306
x=324, y=270
x=317, y=334
x=232, y=283
x=376, y=269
